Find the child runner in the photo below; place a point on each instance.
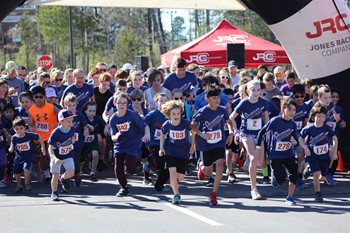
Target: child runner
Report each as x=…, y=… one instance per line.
x=254, y=113
x=91, y=146
x=280, y=150
x=81, y=130
x=155, y=120
x=4, y=136
x=175, y=145
x=23, y=145
x=127, y=131
x=26, y=101
x=209, y=124
x=318, y=136
x=61, y=152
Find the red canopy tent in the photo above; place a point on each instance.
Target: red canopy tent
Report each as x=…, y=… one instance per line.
x=210, y=49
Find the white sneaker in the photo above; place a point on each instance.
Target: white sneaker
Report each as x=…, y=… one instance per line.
x=255, y=194
x=2, y=184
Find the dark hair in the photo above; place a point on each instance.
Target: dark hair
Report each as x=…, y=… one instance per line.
x=9, y=106
x=212, y=90
x=121, y=83
x=290, y=74
x=209, y=80
x=152, y=76
x=287, y=102
x=298, y=88
x=26, y=94
x=263, y=66
x=277, y=99
x=229, y=91
x=180, y=63
x=334, y=90
x=318, y=108
x=38, y=90
x=111, y=66
x=18, y=122
x=262, y=85
x=22, y=68
x=87, y=104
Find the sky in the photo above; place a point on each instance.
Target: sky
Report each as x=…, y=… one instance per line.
x=166, y=17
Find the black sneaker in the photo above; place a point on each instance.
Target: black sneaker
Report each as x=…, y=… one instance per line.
x=54, y=196
x=19, y=189
x=210, y=182
x=65, y=185
x=93, y=178
x=77, y=181
x=123, y=192
x=318, y=197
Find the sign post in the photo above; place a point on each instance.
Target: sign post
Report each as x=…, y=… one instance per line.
x=45, y=61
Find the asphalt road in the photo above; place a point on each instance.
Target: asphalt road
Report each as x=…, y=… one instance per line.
x=95, y=208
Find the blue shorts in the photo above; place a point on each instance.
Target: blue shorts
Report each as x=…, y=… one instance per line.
x=21, y=164
x=318, y=165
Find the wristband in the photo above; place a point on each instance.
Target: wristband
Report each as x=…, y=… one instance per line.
x=258, y=147
x=203, y=135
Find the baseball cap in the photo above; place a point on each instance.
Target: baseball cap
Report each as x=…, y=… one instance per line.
x=162, y=68
x=11, y=66
x=50, y=92
x=127, y=66
x=65, y=114
x=231, y=64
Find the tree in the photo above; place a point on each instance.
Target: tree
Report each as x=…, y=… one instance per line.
x=177, y=29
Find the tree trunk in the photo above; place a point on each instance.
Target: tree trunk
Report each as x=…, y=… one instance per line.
x=161, y=36
x=208, y=20
x=150, y=13
x=196, y=23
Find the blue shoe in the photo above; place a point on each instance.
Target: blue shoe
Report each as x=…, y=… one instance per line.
x=290, y=201
x=176, y=199
x=210, y=182
x=274, y=181
x=300, y=185
x=329, y=180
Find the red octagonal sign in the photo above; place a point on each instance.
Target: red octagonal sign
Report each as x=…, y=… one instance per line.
x=45, y=61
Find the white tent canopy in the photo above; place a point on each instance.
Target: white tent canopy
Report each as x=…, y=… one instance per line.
x=169, y=4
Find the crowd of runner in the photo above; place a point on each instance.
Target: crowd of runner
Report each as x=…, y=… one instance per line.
x=56, y=125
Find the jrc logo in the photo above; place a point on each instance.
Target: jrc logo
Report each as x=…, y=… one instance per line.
x=268, y=56
x=200, y=58
x=233, y=39
x=329, y=24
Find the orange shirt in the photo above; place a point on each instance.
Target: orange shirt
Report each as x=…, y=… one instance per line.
x=44, y=120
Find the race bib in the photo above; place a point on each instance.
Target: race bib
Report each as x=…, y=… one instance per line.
x=254, y=124
x=76, y=135
x=299, y=124
x=332, y=124
x=23, y=146
x=215, y=136
x=64, y=150
x=157, y=134
x=322, y=149
x=177, y=134
x=42, y=127
x=89, y=138
x=123, y=127
x=282, y=146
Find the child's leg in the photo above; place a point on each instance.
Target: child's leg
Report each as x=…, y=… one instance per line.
x=95, y=157
x=292, y=167
x=219, y=166
x=69, y=165
x=316, y=181
x=54, y=181
x=18, y=180
x=254, y=159
x=2, y=163
x=174, y=179
x=102, y=145
x=119, y=170
x=26, y=176
x=229, y=161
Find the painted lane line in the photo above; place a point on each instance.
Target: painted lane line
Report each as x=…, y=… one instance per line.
x=192, y=214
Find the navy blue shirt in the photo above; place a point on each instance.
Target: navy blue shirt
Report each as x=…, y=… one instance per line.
x=79, y=122
x=21, y=112
x=302, y=113
x=131, y=88
x=25, y=147
x=97, y=124
x=185, y=84
x=201, y=102
x=62, y=143
x=155, y=120
x=83, y=94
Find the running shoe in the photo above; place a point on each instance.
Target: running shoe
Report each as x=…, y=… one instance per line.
x=65, y=185
x=255, y=194
x=300, y=185
x=329, y=180
x=147, y=181
x=54, y=196
x=210, y=182
x=2, y=184
x=307, y=171
x=176, y=199
x=77, y=181
x=93, y=178
x=266, y=180
x=231, y=178
x=200, y=174
x=318, y=197
x=213, y=198
x=123, y=192
x=19, y=189
x=28, y=187
x=290, y=201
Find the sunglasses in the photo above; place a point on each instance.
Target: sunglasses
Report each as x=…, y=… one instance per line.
x=58, y=80
x=103, y=70
x=299, y=96
x=224, y=77
x=122, y=104
x=38, y=97
x=136, y=99
x=178, y=98
x=46, y=82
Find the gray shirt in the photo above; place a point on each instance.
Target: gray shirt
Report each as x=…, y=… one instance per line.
x=235, y=80
x=16, y=83
x=273, y=92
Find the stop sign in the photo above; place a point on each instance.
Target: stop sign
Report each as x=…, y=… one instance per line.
x=45, y=61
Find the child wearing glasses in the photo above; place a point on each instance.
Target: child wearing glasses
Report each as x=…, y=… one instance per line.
x=127, y=131
x=42, y=120
x=225, y=78
x=178, y=95
x=137, y=101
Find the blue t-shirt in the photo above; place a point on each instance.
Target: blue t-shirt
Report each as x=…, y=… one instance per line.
x=132, y=129
x=318, y=140
x=211, y=122
x=60, y=90
x=238, y=119
x=22, y=113
x=83, y=94
x=144, y=110
x=131, y=88
x=176, y=142
x=339, y=111
x=97, y=124
x=272, y=109
x=24, y=147
x=201, y=102
x=279, y=85
x=286, y=90
x=154, y=120
x=302, y=113
x=185, y=84
x=79, y=122
x=109, y=105
x=252, y=115
x=281, y=131
x=62, y=143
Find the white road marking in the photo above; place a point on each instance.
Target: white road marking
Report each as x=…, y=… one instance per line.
x=192, y=214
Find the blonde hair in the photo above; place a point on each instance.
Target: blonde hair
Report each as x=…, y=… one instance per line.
x=70, y=97
x=159, y=95
x=252, y=83
x=322, y=89
x=170, y=105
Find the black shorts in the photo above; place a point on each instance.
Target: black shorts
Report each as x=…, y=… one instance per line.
x=179, y=163
x=211, y=156
x=233, y=146
x=279, y=166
